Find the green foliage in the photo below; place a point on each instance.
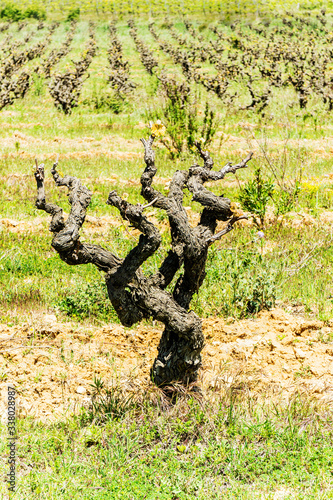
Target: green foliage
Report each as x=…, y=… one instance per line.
x=35, y=13
x=39, y=84
x=107, y=403
x=259, y=192
x=247, y=290
x=261, y=293
x=179, y=115
x=209, y=125
x=255, y=196
x=286, y=199
x=182, y=119
x=11, y=12
x=73, y=14
x=14, y=13
x=104, y=98
x=244, y=285
x=87, y=301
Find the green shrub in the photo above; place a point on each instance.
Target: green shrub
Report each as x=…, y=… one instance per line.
x=249, y=291
x=11, y=12
x=258, y=192
x=243, y=285
x=286, y=199
x=14, y=13
x=181, y=116
x=107, y=99
x=88, y=301
x=39, y=84
x=35, y=13
x=255, y=196
x=73, y=14
x=258, y=294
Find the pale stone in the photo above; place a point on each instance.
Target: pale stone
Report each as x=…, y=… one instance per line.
x=300, y=354
x=81, y=390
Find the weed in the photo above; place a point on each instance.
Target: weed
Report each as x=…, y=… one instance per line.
x=73, y=14
x=255, y=196
x=39, y=84
x=107, y=99
x=288, y=179
x=66, y=359
x=285, y=199
x=244, y=285
x=326, y=337
x=180, y=115
x=87, y=301
x=107, y=403
x=209, y=125
x=38, y=378
x=303, y=372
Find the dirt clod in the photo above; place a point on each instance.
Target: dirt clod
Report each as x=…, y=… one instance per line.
x=53, y=364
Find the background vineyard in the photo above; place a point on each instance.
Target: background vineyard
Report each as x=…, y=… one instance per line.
x=167, y=7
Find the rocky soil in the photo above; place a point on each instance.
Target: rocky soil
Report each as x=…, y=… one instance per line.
x=52, y=364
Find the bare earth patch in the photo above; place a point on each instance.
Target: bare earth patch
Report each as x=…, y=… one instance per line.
x=52, y=364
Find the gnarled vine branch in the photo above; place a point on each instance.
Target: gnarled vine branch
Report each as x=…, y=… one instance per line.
x=134, y=295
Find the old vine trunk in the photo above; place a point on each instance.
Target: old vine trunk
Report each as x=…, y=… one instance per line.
x=134, y=295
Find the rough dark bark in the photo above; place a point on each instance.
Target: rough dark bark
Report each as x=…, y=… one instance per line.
x=133, y=295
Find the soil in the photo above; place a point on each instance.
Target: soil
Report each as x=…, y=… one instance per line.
x=52, y=364
x=97, y=224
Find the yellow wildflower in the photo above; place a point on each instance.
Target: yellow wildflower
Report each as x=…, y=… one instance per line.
x=158, y=129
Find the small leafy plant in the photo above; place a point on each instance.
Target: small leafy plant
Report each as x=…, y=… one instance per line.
x=88, y=302
x=107, y=403
x=180, y=114
x=73, y=14
x=39, y=84
x=104, y=98
x=286, y=199
x=255, y=196
x=244, y=283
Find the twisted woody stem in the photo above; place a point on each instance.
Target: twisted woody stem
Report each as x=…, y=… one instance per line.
x=133, y=294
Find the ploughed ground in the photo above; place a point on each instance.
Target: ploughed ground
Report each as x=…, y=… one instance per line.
x=52, y=364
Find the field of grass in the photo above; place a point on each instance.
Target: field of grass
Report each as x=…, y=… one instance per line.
x=221, y=447
x=233, y=448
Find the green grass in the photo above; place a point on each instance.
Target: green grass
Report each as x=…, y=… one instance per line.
x=34, y=276
x=234, y=447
